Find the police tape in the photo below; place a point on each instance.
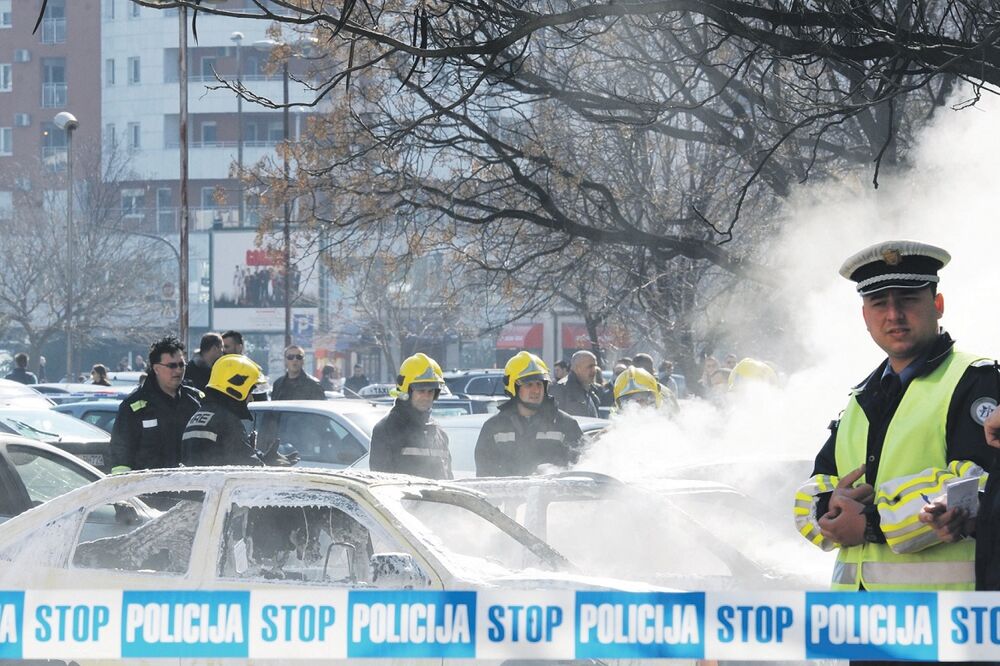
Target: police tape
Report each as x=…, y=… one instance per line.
x=499, y=624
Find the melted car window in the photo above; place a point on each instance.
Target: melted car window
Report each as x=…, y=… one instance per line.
x=157, y=541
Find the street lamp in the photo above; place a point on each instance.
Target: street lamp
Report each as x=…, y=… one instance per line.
x=67, y=122
x=237, y=38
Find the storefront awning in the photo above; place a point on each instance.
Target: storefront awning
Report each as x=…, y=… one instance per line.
x=520, y=336
x=574, y=336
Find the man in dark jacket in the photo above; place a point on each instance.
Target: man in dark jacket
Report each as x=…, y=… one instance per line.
x=200, y=369
x=296, y=384
x=575, y=393
x=20, y=372
x=356, y=382
x=150, y=421
x=529, y=430
x=215, y=434
x=407, y=440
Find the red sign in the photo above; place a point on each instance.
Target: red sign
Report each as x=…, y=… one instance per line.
x=520, y=336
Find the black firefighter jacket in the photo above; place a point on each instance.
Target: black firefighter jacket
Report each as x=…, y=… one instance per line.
x=215, y=434
x=407, y=441
x=513, y=445
x=148, y=428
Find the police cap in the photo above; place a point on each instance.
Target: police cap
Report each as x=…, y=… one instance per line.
x=899, y=264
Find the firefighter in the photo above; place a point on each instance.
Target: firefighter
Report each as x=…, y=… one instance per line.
x=407, y=440
x=529, y=430
x=750, y=371
x=909, y=428
x=215, y=434
x=636, y=386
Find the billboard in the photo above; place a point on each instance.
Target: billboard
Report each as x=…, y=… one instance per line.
x=248, y=284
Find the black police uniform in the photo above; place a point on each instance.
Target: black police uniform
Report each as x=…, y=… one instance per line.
x=964, y=437
x=513, y=445
x=302, y=387
x=149, y=425
x=408, y=441
x=215, y=434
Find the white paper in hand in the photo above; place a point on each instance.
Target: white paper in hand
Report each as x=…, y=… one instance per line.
x=964, y=494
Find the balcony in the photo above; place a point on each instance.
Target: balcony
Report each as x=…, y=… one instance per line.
x=54, y=95
x=53, y=31
x=166, y=220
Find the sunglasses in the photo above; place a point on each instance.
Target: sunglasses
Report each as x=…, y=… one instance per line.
x=294, y=357
x=173, y=366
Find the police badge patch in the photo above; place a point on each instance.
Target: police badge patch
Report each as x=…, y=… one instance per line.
x=982, y=408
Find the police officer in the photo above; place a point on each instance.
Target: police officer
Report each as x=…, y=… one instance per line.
x=150, y=421
x=215, y=434
x=635, y=386
x=909, y=428
x=407, y=440
x=529, y=430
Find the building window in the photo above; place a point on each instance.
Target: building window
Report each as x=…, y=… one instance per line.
x=54, y=22
x=110, y=136
x=109, y=72
x=208, y=133
x=6, y=140
x=132, y=202
x=6, y=78
x=165, y=210
x=6, y=16
x=134, y=70
x=6, y=204
x=53, y=83
x=109, y=10
x=53, y=147
x=134, y=134
x=208, y=197
x=208, y=67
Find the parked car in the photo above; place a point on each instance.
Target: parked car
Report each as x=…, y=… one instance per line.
x=475, y=382
x=326, y=433
x=453, y=405
x=16, y=394
x=463, y=433
x=72, y=435
x=678, y=533
x=60, y=392
x=128, y=379
x=301, y=528
x=33, y=472
x=100, y=413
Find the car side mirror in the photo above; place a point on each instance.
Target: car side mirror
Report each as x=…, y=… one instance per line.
x=340, y=560
x=397, y=571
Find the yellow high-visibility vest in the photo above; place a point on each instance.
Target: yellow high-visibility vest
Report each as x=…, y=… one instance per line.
x=914, y=442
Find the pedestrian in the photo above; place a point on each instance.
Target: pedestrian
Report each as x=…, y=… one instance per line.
x=296, y=384
x=528, y=430
x=150, y=422
x=20, y=372
x=560, y=369
x=232, y=342
x=331, y=379
x=912, y=426
x=215, y=434
x=666, y=377
x=99, y=375
x=200, y=369
x=42, y=378
x=576, y=394
x=356, y=382
x=407, y=440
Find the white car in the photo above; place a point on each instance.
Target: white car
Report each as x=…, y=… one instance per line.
x=224, y=528
x=16, y=394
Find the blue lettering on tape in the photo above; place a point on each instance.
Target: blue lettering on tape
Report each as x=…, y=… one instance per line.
x=522, y=624
x=640, y=625
x=411, y=624
x=979, y=625
x=11, y=624
x=761, y=624
x=293, y=623
x=80, y=623
x=185, y=624
x=873, y=625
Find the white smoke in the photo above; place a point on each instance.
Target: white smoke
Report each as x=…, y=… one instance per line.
x=945, y=198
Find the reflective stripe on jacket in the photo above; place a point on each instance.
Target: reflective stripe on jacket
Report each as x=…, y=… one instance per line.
x=913, y=461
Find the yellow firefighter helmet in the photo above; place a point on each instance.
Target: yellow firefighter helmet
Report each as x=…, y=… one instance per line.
x=235, y=375
x=750, y=370
x=633, y=382
x=419, y=371
x=523, y=365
